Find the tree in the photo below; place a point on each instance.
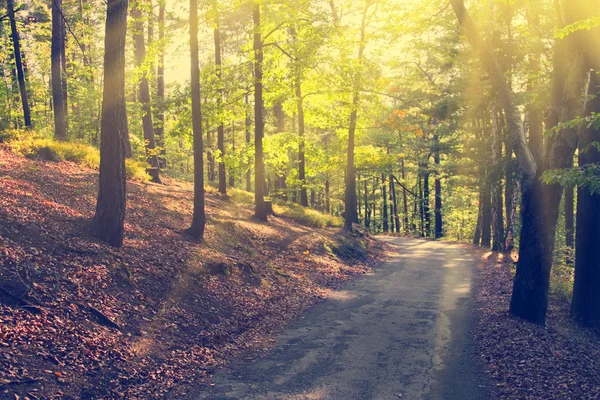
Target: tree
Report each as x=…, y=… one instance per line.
x=110, y=208
x=144, y=94
x=260, y=211
x=57, y=47
x=585, y=306
x=10, y=7
x=160, y=85
x=221, y=128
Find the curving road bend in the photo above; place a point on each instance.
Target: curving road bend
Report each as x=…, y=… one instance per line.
x=404, y=331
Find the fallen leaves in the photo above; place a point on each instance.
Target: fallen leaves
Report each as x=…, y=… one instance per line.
x=526, y=361
x=175, y=319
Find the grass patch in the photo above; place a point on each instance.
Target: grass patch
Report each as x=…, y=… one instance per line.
x=29, y=144
x=307, y=216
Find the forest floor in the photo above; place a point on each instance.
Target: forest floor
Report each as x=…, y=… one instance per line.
x=527, y=361
x=156, y=317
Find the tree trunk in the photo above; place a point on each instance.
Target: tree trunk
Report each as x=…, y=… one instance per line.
x=196, y=229
x=395, y=215
x=301, y=155
x=585, y=306
x=386, y=223
x=439, y=225
x=367, y=211
x=247, y=124
x=350, y=201
x=19, y=62
x=426, y=206
x=56, y=48
x=108, y=220
x=327, y=199
x=486, y=215
x=259, y=123
x=479, y=226
x=160, y=87
x=221, y=128
x=496, y=185
x=405, y=200
x=144, y=95
x=569, y=216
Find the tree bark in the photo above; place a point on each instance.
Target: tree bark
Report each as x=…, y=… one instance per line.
x=496, y=185
x=108, y=220
x=569, y=216
x=439, y=224
x=221, y=128
x=144, y=95
x=196, y=229
x=426, y=204
x=56, y=48
x=10, y=7
x=260, y=211
x=405, y=200
x=160, y=87
x=585, y=306
x=301, y=155
x=486, y=215
x=386, y=223
x=247, y=124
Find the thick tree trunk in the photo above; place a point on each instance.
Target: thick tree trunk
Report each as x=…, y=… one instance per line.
x=19, y=62
x=511, y=195
x=260, y=211
x=56, y=48
x=585, y=306
x=221, y=128
x=160, y=87
x=196, y=229
x=144, y=96
x=110, y=208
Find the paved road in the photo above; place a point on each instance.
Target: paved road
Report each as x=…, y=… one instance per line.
x=403, y=330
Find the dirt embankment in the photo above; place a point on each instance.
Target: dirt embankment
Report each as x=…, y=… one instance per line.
x=154, y=318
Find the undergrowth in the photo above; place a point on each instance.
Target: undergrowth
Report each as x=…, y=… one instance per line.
x=29, y=143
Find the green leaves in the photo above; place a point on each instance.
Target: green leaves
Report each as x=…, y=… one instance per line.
x=586, y=24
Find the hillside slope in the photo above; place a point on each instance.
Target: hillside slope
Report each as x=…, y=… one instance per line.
x=155, y=317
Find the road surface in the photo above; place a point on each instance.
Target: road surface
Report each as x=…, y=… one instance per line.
x=405, y=331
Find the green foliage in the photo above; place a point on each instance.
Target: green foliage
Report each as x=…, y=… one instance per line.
x=586, y=24
x=307, y=216
x=587, y=176
x=29, y=144
x=353, y=246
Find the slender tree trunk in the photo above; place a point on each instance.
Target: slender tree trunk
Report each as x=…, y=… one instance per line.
x=439, y=224
x=19, y=62
x=60, y=126
x=160, y=86
x=426, y=206
x=569, y=216
x=585, y=306
x=327, y=198
x=221, y=128
x=247, y=124
x=259, y=124
x=496, y=186
x=479, y=226
x=196, y=229
x=367, y=222
x=301, y=155
x=350, y=201
x=144, y=95
x=486, y=215
x=395, y=205
x=405, y=200
x=386, y=224
x=110, y=208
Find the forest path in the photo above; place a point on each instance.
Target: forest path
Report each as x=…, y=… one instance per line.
x=405, y=329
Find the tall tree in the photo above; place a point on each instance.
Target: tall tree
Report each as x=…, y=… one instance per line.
x=196, y=230
x=110, y=208
x=160, y=86
x=10, y=7
x=260, y=211
x=585, y=306
x=144, y=93
x=220, y=92
x=56, y=49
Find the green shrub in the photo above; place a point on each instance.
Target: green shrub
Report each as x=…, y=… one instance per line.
x=307, y=216
x=28, y=144
x=350, y=246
